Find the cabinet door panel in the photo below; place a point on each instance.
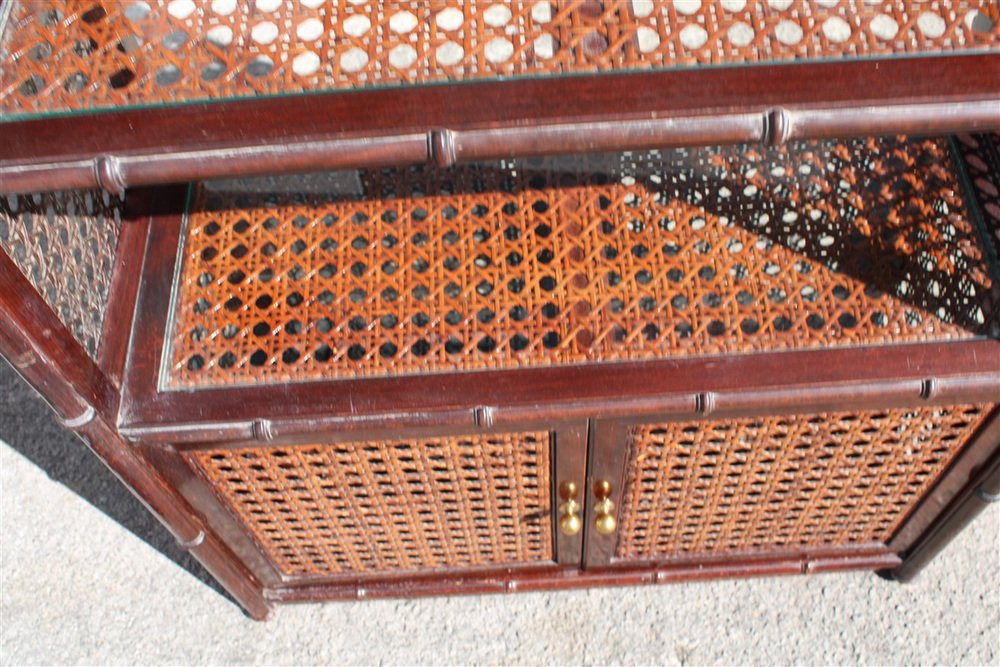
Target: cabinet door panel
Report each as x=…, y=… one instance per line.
x=398, y=506
x=830, y=482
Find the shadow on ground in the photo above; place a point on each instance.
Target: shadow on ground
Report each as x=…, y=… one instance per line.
x=28, y=425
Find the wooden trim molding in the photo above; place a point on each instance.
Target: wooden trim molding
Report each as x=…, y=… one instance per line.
x=512, y=581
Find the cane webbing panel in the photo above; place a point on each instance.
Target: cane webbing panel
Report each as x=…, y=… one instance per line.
x=388, y=506
x=829, y=480
x=65, y=243
x=583, y=260
x=84, y=54
x=981, y=157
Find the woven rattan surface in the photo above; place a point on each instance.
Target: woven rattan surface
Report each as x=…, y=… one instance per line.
x=65, y=243
x=981, y=157
x=383, y=507
x=829, y=480
x=66, y=55
x=589, y=259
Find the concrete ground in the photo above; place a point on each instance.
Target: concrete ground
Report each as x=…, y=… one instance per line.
x=88, y=578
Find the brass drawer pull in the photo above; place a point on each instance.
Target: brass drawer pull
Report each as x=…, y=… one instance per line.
x=605, y=509
x=569, y=511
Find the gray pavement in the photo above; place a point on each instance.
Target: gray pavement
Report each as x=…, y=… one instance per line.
x=88, y=578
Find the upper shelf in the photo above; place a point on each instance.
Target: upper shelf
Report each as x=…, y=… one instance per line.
x=72, y=55
x=159, y=62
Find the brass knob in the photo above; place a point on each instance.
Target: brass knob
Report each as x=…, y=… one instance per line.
x=605, y=509
x=570, y=522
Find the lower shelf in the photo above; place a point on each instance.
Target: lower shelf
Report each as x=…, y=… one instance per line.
x=586, y=260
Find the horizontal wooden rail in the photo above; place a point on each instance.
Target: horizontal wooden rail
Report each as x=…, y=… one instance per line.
x=446, y=125
x=519, y=580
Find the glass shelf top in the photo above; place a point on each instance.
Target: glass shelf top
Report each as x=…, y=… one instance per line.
x=66, y=56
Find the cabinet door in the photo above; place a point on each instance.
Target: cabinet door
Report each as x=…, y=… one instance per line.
x=345, y=509
x=834, y=484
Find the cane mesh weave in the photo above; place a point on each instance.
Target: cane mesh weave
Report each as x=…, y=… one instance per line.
x=583, y=260
x=388, y=506
x=828, y=480
x=65, y=55
x=65, y=243
x=981, y=157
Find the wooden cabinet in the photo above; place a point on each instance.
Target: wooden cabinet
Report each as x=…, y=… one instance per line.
x=756, y=385
x=484, y=511
x=393, y=384
x=526, y=334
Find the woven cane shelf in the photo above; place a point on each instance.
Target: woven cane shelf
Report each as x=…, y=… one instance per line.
x=574, y=261
x=76, y=55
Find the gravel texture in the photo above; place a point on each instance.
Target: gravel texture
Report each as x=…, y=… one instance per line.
x=88, y=578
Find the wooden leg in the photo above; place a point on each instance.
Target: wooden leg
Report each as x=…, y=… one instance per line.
x=983, y=489
x=45, y=354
